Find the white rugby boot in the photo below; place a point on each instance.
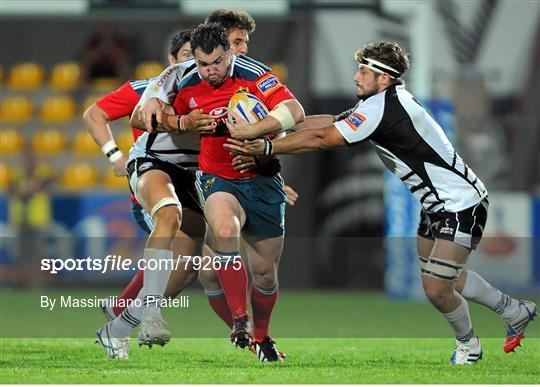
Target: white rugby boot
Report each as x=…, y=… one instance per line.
x=116, y=348
x=467, y=352
x=152, y=330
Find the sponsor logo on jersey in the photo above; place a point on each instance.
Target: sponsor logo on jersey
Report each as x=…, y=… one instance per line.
x=209, y=184
x=144, y=166
x=162, y=80
x=268, y=84
x=242, y=90
x=447, y=229
x=192, y=103
x=355, y=120
x=218, y=113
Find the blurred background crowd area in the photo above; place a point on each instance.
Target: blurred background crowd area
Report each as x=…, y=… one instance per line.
x=475, y=64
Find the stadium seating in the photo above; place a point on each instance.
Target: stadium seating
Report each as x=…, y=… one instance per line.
x=112, y=181
x=124, y=140
x=11, y=141
x=148, y=70
x=27, y=76
x=79, y=176
x=84, y=144
x=17, y=109
x=65, y=76
x=6, y=175
x=57, y=108
x=48, y=142
x=105, y=84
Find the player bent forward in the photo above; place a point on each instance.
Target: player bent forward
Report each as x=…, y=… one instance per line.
x=414, y=147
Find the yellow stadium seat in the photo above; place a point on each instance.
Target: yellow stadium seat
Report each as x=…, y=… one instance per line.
x=48, y=142
x=105, y=84
x=59, y=108
x=148, y=70
x=124, y=140
x=65, y=76
x=84, y=144
x=16, y=109
x=6, y=176
x=27, y=75
x=11, y=141
x=79, y=176
x=112, y=181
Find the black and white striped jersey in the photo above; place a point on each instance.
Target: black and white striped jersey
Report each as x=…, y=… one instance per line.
x=181, y=149
x=414, y=147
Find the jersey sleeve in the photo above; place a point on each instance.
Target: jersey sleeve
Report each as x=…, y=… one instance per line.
x=362, y=121
x=346, y=113
x=271, y=91
x=119, y=103
x=165, y=85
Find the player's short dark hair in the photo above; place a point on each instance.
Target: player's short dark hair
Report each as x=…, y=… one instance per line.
x=178, y=39
x=208, y=37
x=389, y=53
x=232, y=18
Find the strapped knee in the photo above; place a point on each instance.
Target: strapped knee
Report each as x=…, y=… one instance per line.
x=423, y=262
x=442, y=268
x=170, y=201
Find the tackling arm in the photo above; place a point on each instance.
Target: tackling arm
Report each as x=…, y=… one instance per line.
x=308, y=140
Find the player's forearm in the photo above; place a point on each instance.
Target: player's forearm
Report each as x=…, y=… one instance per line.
x=315, y=121
x=309, y=140
x=283, y=117
x=96, y=122
x=169, y=123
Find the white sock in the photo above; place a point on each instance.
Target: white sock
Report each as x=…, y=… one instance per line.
x=155, y=281
x=130, y=317
x=478, y=290
x=460, y=320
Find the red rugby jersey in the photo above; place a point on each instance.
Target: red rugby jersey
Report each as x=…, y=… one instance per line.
x=195, y=93
x=121, y=102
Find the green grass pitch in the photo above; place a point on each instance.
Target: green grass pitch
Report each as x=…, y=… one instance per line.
x=329, y=337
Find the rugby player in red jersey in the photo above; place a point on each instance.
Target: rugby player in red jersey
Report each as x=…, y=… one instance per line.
x=237, y=203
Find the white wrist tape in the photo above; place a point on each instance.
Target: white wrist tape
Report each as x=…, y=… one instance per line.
x=110, y=149
x=284, y=116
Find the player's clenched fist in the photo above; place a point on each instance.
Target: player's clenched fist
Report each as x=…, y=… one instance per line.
x=246, y=147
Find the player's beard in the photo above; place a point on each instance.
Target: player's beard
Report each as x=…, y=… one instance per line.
x=362, y=93
x=218, y=82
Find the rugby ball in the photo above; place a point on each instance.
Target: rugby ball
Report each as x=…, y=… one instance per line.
x=247, y=106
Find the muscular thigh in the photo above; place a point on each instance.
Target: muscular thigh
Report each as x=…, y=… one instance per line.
x=450, y=251
x=223, y=207
x=153, y=186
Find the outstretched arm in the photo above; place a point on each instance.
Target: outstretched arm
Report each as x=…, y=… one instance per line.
x=308, y=140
